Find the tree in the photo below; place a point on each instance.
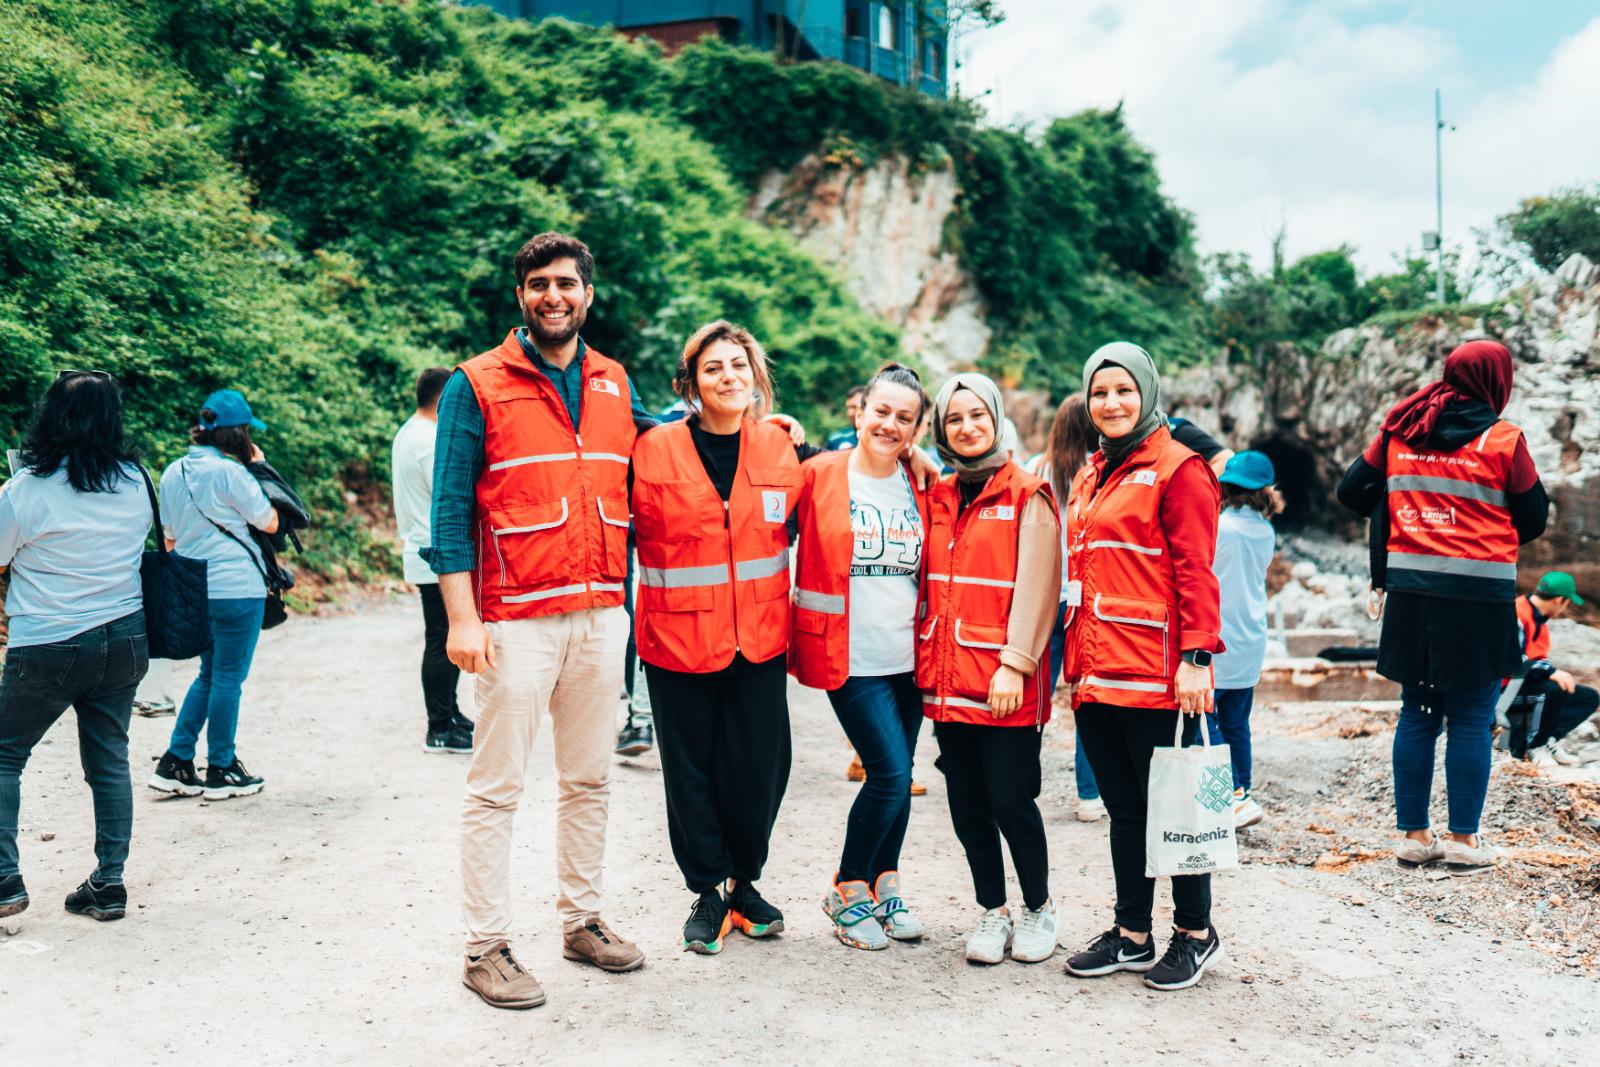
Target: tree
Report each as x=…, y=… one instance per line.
x=1554, y=227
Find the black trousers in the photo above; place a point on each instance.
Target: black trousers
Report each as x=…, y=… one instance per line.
x=724, y=744
x=439, y=675
x=991, y=776
x=1564, y=712
x=1119, y=743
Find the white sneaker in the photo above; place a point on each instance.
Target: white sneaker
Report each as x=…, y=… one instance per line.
x=1246, y=812
x=1035, y=938
x=1411, y=853
x=1462, y=860
x=1091, y=810
x=990, y=938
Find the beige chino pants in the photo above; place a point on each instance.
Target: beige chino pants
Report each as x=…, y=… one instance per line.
x=571, y=665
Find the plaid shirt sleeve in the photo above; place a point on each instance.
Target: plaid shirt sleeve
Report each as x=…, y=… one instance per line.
x=457, y=461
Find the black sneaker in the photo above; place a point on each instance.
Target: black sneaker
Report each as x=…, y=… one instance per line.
x=175, y=776
x=1111, y=952
x=231, y=781
x=462, y=723
x=636, y=739
x=708, y=923
x=102, y=902
x=13, y=895
x=451, y=740
x=1186, y=960
x=750, y=912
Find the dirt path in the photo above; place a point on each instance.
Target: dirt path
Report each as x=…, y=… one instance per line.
x=318, y=923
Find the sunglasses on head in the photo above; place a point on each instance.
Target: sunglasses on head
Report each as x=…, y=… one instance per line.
x=102, y=375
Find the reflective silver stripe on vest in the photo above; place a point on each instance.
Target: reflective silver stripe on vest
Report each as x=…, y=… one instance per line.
x=548, y=457
x=932, y=577
x=826, y=603
x=962, y=579
x=684, y=577
x=609, y=456
x=746, y=569
x=545, y=594
x=1117, y=683
x=1428, y=483
x=1127, y=546
x=955, y=702
x=1471, y=568
x=605, y=587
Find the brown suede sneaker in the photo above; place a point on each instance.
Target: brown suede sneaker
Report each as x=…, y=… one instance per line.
x=501, y=981
x=602, y=946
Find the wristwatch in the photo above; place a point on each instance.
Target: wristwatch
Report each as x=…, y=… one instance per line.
x=1198, y=656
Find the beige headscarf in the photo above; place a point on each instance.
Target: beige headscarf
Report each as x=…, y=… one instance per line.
x=972, y=468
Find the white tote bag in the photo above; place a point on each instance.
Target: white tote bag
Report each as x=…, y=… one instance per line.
x=1190, y=826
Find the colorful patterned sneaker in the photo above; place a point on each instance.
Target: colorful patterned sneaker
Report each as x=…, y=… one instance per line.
x=1034, y=939
x=849, y=905
x=707, y=925
x=749, y=911
x=990, y=938
x=891, y=912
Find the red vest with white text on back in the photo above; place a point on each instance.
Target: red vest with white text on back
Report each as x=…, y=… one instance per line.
x=713, y=576
x=552, y=499
x=1450, y=530
x=967, y=585
x=1122, y=643
x=819, y=650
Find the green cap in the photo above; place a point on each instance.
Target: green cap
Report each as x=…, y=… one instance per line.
x=1559, y=583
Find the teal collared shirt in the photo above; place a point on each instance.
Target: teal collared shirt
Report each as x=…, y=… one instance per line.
x=568, y=382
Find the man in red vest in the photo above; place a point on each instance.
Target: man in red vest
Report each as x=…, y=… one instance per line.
x=529, y=527
x=1566, y=704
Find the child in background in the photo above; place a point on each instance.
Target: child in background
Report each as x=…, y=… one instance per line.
x=1245, y=546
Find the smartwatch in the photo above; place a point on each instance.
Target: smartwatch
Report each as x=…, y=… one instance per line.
x=1199, y=657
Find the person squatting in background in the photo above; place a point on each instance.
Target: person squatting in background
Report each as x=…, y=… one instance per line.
x=712, y=497
x=73, y=521
x=1073, y=439
x=1142, y=533
x=411, y=469
x=1246, y=544
x=1452, y=491
x=989, y=596
x=208, y=502
x=1564, y=705
x=860, y=519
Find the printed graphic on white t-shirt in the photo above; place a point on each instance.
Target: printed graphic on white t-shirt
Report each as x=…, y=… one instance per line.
x=885, y=563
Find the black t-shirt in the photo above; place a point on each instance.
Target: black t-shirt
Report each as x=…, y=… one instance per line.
x=719, y=454
x=1194, y=438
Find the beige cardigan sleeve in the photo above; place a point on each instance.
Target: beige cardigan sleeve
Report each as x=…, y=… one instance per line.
x=1037, y=595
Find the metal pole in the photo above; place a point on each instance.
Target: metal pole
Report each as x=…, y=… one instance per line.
x=1438, y=190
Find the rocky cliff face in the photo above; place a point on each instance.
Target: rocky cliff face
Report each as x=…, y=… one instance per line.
x=1314, y=414
x=883, y=226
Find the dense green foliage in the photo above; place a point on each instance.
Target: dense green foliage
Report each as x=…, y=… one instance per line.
x=1551, y=228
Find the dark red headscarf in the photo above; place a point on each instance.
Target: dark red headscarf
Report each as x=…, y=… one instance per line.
x=1477, y=370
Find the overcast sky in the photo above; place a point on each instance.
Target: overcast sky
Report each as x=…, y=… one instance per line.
x=1318, y=115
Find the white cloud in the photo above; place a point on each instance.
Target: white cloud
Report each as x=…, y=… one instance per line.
x=1260, y=113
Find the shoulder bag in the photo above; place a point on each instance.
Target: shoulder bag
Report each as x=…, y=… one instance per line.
x=177, y=616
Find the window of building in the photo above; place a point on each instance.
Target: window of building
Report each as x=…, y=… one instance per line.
x=888, y=26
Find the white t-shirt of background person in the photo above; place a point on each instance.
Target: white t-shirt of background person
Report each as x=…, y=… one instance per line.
x=411, y=468
x=206, y=487
x=1246, y=542
x=74, y=557
x=885, y=564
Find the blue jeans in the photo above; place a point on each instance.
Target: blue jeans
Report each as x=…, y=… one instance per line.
x=1424, y=713
x=213, y=700
x=1087, y=789
x=1230, y=724
x=94, y=673
x=881, y=717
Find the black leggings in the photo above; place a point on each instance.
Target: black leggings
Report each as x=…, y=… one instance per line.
x=439, y=675
x=992, y=780
x=1119, y=743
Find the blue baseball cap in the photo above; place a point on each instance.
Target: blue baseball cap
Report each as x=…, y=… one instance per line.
x=1248, y=470
x=231, y=409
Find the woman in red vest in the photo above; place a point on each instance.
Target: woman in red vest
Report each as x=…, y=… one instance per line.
x=1141, y=533
x=993, y=552
x=711, y=498
x=859, y=561
x=1452, y=492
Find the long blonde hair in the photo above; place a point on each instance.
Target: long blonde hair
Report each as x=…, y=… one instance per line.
x=763, y=396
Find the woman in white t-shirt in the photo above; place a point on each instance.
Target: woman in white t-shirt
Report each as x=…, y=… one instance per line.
x=860, y=558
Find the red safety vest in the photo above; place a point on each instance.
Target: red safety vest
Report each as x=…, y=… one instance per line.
x=552, y=501
x=1122, y=642
x=1450, y=531
x=967, y=583
x=1535, y=631
x=819, y=651
x=713, y=576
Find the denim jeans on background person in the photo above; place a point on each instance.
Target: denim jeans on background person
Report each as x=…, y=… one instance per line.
x=95, y=673
x=882, y=718
x=1082, y=772
x=212, y=702
x=1230, y=724
x=1467, y=714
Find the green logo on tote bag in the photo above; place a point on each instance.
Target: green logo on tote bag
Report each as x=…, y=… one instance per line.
x=1216, y=789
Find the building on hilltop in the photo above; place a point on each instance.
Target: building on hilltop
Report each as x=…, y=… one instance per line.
x=905, y=41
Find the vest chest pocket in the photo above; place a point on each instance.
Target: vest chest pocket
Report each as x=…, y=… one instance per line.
x=776, y=489
x=672, y=512
x=531, y=543
x=1130, y=637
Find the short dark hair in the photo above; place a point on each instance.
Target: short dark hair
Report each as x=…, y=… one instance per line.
x=430, y=383
x=78, y=425
x=545, y=249
x=860, y=390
